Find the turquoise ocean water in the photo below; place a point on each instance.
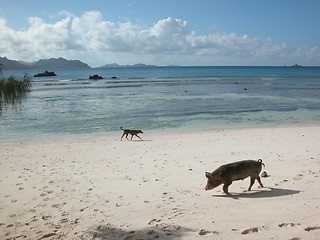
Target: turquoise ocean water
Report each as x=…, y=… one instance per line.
x=157, y=98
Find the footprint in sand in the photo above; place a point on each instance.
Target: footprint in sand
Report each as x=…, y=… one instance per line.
x=47, y=235
x=46, y=217
x=154, y=221
x=46, y=199
x=288, y=224
x=43, y=194
x=205, y=232
x=298, y=177
x=308, y=229
x=82, y=209
x=58, y=205
x=168, y=227
x=64, y=220
x=250, y=230
x=176, y=212
x=283, y=181
x=31, y=220
x=63, y=214
x=75, y=221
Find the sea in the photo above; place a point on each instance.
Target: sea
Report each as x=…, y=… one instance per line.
x=161, y=99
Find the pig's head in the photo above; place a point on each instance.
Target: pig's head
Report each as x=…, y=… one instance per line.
x=212, y=181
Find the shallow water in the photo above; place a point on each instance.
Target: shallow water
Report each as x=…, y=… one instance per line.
x=163, y=98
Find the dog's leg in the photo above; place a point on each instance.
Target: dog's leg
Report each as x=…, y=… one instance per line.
x=127, y=136
x=139, y=137
x=122, y=135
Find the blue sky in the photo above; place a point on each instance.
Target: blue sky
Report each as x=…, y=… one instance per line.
x=163, y=32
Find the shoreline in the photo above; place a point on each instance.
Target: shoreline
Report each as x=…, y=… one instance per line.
x=12, y=133
x=102, y=188
x=166, y=131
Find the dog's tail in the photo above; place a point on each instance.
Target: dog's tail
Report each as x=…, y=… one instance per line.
x=260, y=161
x=122, y=128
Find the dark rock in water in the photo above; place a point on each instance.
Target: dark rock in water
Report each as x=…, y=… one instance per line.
x=45, y=74
x=114, y=77
x=95, y=77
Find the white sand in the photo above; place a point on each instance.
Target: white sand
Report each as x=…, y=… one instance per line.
x=104, y=188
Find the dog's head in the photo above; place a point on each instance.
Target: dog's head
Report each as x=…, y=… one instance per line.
x=140, y=131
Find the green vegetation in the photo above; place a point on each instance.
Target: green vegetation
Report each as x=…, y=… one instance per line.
x=12, y=91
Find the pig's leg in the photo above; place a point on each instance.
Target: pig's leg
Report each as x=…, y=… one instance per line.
x=225, y=187
x=259, y=180
x=252, y=179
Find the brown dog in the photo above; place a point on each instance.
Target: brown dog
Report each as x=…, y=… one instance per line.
x=126, y=132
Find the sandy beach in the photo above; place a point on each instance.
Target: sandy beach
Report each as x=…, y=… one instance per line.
x=103, y=188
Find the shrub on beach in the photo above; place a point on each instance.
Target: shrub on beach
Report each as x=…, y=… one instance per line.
x=12, y=91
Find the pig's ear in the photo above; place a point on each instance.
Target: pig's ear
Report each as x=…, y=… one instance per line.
x=208, y=175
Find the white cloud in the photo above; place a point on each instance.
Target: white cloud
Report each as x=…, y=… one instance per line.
x=90, y=36
x=65, y=13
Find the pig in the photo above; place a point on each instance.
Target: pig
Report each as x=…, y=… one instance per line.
x=230, y=172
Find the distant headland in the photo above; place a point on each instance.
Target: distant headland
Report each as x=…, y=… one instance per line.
x=59, y=63
x=116, y=65
x=62, y=63
x=52, y=63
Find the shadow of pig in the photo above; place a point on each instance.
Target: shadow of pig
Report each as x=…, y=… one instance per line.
x=267, y=193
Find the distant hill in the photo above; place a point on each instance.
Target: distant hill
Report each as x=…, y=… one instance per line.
x=12, y=64
x=112, y=65
x=51, y=63
x=62, y=63
x=116, y=65
x=58, y=63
